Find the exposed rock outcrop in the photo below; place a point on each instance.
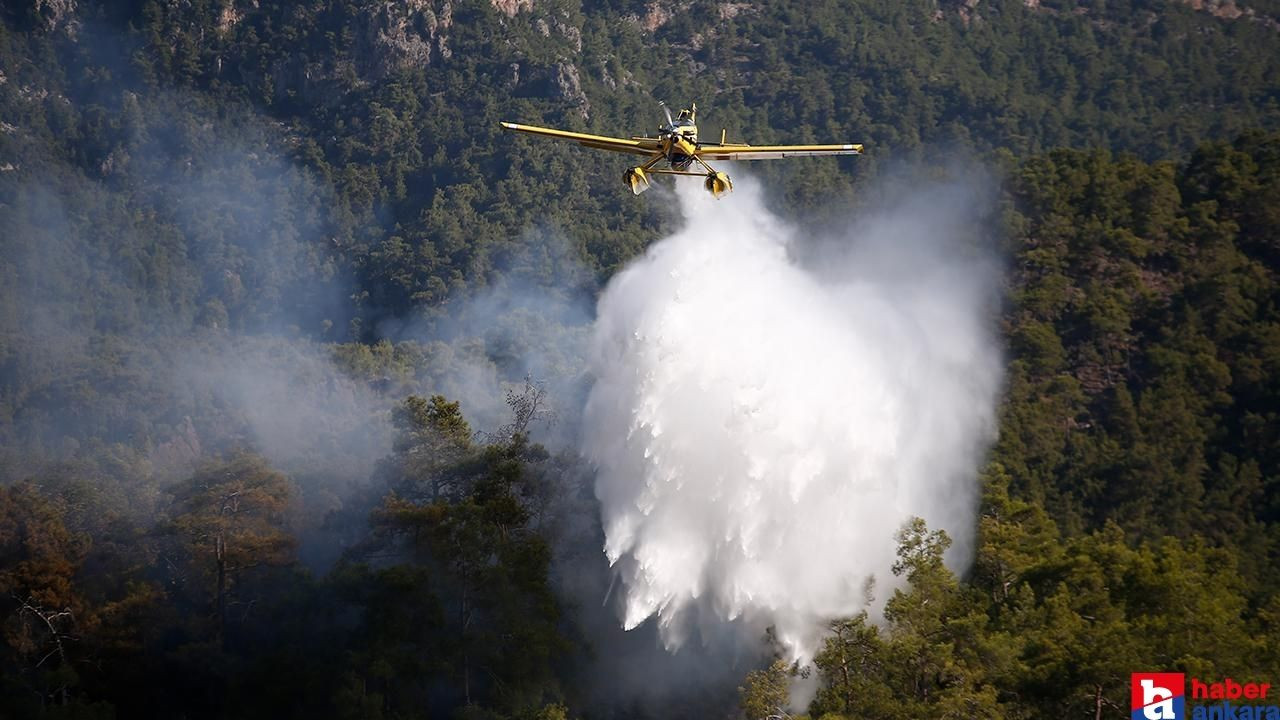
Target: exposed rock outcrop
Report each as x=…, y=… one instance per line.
x=511, y=7
x=1233, y=10
x=230, y=15
x=656, y=14
x=54, y=15
x=568, y=85
x=1226, y=9
x=966, y=10
x=392, y=36
x=562, y=81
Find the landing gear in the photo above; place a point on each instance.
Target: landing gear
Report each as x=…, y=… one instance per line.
x=636, y=179
x=717, y=183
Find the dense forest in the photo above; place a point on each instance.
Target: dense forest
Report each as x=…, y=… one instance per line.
x=291, y=344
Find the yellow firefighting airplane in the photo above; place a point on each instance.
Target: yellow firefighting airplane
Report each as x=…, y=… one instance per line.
x=677, y=143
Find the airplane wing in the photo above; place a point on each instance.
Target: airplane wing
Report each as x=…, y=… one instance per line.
x=713, y=151
x=635, y=146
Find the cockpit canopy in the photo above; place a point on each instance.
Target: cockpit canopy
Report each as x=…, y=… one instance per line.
x=684, y=123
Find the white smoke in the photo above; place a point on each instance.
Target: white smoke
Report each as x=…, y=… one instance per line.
x=761, y=428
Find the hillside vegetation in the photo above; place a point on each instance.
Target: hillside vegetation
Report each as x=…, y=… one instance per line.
x=232, y=231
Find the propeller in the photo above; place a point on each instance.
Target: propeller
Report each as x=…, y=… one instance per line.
x=666, y=112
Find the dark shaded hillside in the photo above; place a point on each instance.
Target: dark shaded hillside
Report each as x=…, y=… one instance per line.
x=1129, y=517
x=1144, y=381
x=247, y=250
x=335, y=170
x=396, y=106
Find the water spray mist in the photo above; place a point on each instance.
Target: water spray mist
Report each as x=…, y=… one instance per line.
x=762, y=427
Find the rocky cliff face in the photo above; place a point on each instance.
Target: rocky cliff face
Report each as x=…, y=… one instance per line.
x=392, y=36
x=568, y=85
x=1233, y=10
x=52, y=15
x=511, y=8
x=388, y=36
x=562, y=81
x=1218, y=8
x=560, y=78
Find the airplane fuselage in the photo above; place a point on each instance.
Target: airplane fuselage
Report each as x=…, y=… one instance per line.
x=679, y=143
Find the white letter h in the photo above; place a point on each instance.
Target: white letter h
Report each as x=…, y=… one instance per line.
x=1157, y=702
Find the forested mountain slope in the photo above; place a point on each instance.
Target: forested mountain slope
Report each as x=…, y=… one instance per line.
x=233, y=231
x=393, y=108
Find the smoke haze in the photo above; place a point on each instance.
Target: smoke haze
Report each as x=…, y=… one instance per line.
x=762, y=426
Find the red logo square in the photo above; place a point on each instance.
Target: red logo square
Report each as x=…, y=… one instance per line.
x=1157, y=695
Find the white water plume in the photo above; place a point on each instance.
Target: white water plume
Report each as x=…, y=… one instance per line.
x=761, y=428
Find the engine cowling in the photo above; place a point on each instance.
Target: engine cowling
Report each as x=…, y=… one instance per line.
x=718, y=184
x=636, y=179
